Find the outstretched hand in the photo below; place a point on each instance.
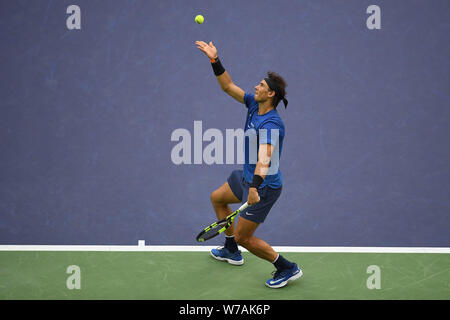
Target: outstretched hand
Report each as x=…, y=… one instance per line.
x=209, y=49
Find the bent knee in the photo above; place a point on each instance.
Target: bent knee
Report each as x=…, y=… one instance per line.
x=216, y=196
x=220, y=196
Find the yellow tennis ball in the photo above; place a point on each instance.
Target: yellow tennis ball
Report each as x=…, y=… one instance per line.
x=199, y=19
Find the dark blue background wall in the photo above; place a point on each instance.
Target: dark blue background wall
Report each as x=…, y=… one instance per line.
x=86, y=118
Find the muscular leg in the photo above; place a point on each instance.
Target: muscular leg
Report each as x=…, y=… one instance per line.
x=244, y=237
x=220, y=198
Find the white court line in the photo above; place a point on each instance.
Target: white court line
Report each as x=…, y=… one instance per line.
x=152, y=248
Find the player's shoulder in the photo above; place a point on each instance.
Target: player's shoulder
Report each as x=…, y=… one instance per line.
x=273, y=121
x=274, y=117
x=249, y=97
x=249, y=100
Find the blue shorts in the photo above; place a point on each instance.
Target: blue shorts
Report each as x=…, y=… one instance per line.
x=259, y=211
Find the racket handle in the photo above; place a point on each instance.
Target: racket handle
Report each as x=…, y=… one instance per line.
x=243, y=207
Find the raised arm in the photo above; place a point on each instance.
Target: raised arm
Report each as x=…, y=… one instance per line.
x=224, y=79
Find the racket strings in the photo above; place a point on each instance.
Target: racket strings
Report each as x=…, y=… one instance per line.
x=213, y=230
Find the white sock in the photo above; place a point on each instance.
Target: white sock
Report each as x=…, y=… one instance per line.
x=276, y=258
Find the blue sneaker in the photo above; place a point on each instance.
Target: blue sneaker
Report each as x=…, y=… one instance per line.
x=223, y=254
x=281, y=278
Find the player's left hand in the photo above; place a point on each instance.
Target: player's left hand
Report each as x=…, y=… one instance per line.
x=253, y=196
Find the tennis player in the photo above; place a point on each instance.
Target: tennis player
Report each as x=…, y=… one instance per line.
x=254, y=184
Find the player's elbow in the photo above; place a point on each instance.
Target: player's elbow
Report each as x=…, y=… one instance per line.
x=227, y=85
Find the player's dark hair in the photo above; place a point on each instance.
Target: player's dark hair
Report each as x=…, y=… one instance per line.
x=281, y=84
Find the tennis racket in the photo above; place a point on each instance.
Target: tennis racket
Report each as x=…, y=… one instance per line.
x=220, y=226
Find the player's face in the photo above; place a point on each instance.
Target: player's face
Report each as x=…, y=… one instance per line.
x=262, y=91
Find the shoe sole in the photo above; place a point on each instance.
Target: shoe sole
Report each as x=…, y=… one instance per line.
x=284, y=283
x=230, y=261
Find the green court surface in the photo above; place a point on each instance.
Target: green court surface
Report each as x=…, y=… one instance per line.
x=197, y=276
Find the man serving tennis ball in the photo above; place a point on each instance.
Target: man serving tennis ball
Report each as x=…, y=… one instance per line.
x=253, y=184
